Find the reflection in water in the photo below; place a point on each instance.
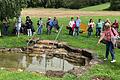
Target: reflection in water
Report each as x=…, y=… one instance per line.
x=24, y=62
x=37, y=64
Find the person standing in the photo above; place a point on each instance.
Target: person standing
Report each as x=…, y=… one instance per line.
x=116, y=25
x=29, y=26
x=55, y=24
x=18, y=27
x=91, y=25
x=99, y=26
x=40, y=26
x=107, y=34
x=71, y=26
x=50, y=24
x=77, y=26
x=5, y=26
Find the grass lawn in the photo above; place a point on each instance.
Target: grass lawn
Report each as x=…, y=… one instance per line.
x=100, y=7
x=105, y=69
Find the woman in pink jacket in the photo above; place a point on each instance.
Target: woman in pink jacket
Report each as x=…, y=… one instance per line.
x=107, y=34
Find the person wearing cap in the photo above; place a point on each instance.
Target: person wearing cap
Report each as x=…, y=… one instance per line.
x=49, y=25
x=107, y=34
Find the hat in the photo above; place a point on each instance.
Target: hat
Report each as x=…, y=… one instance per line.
x=107, y=24
x=49, y=17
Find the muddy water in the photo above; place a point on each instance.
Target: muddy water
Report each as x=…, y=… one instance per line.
x=34, y=64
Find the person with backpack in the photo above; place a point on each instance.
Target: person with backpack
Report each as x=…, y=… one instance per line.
x=55, y=24
x=91, y=25
x=116, y=25
x=107, y=34
x=40, y=26
x=99, y=26
x=49, y=25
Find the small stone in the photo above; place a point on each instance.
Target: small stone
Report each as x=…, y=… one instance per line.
x=2, y=68
x=20, y=70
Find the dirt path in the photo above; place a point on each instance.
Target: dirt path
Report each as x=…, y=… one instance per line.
x=41, y=12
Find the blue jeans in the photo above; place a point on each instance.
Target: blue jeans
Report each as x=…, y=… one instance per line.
x=90, y=31
x=89, y=34
x=40, y=30
x=76, y=31
x=98, y=31
x=49, y=29
x=110, y=48
x=5, y=30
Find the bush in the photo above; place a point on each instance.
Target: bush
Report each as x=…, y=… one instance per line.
x=73, y=4
x=115, y=5
x=11, y=8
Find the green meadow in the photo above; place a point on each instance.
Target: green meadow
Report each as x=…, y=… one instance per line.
x=100, y=7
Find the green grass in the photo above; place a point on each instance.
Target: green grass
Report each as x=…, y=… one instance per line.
x=100, y=7
x=7, y=75
x=105, y=69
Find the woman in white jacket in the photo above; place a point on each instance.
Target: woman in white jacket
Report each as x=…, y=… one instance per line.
x=71, y=23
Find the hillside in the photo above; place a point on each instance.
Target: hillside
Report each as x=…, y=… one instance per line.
x=100, y=7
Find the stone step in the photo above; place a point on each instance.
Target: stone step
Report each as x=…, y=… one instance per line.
x=43, y=46
x=47, y=42
x=32, y=55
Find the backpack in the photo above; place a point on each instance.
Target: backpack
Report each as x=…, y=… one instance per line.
x=114, y=38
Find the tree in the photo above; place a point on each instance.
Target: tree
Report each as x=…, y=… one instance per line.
x=11, y=8
x=115, y=4
x=73, y=4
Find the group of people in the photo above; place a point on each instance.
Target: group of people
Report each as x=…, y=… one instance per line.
x=74, y=26
x=100, y=26
x=104, y=29
x=52, y=23
x=110, y=34
x=28, y=28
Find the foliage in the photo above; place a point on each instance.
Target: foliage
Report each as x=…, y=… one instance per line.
x=11, y=8
x=115, y=4
x=100, y=7
x=73, y=4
